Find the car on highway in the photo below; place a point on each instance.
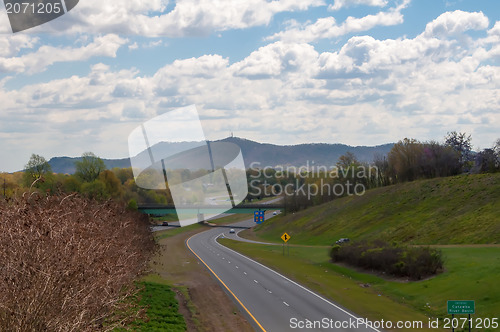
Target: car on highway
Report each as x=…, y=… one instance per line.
x=231, y=231
x=275, y=213
x=342, y=240
x=164, y=223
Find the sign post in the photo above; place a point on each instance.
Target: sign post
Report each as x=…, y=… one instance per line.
x=461, y=307
x=285, y=237
x=258, y=216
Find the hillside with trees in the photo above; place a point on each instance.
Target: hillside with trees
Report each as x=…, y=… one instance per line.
x=453, y=210
x=408, y=160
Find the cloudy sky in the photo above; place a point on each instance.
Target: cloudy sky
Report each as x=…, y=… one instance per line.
x=359, y=72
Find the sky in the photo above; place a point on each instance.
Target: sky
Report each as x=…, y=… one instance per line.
x=358, y=72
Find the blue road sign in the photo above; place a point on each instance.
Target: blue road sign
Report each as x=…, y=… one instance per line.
x=258, y=217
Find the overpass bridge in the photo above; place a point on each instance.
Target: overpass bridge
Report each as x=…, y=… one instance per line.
x=160, y=209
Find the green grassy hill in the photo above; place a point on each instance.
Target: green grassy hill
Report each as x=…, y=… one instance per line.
x=455, y=210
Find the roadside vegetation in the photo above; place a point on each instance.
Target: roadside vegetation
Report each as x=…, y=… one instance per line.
x=457, y=216
x=471, y=273
x=71, y=248
x=392, y=259
x=202, y=302
x=463, y=209
x=68, y=263
x=409, y=160
x=161, y=309
x=91, y=180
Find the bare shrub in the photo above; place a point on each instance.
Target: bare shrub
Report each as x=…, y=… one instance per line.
x=67, y=263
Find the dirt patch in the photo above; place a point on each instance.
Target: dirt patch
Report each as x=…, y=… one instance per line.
x=191, y=322
x=205, y=306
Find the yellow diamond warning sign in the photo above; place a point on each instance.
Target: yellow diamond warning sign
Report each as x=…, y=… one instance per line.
x=285, y=237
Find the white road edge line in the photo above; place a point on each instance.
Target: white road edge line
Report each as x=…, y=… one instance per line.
x=293, y=282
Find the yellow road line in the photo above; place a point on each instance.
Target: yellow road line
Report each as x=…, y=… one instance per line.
x=222, y=282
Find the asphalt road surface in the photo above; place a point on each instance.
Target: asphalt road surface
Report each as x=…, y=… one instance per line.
x=271, y=301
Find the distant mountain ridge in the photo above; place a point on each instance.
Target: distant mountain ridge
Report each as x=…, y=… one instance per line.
x=261, y=154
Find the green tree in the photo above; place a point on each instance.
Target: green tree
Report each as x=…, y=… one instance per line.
x=37, y=168
x=95, y=189
x=8, y=186
x=132, y=205
x=486, y=161
x=461, y=143
x=90, y=167
x=112, y=183
x=496, y=150
x=404, y=159
x=71, y=184
x=123, y=174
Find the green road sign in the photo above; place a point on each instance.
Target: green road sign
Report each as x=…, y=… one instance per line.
x=461, y=307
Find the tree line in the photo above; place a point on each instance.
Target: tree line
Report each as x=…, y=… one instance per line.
x=91, y=179
x=408, y=160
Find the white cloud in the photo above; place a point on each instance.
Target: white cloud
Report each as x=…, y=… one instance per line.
x=495, y=31
x=133, y=46
x=455, y=23
x=45, y=56
x=338, y=4
x=10, y=45
x=187, y=18
x=370, y=91
x=276, y=59
x=206, y=66
x=328, y=28
x=154, y=43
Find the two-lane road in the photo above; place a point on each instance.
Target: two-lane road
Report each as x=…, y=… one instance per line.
x=272, y=301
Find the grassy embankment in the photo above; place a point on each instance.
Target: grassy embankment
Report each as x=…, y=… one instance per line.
x=454, y=210
x=460, y=214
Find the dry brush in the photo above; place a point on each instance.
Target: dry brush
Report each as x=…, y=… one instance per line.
x=68, y=263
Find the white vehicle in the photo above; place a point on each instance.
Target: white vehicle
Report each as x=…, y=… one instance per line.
x=342, y=240
x=231, y=231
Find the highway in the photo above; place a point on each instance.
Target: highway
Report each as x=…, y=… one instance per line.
x=271, y=301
